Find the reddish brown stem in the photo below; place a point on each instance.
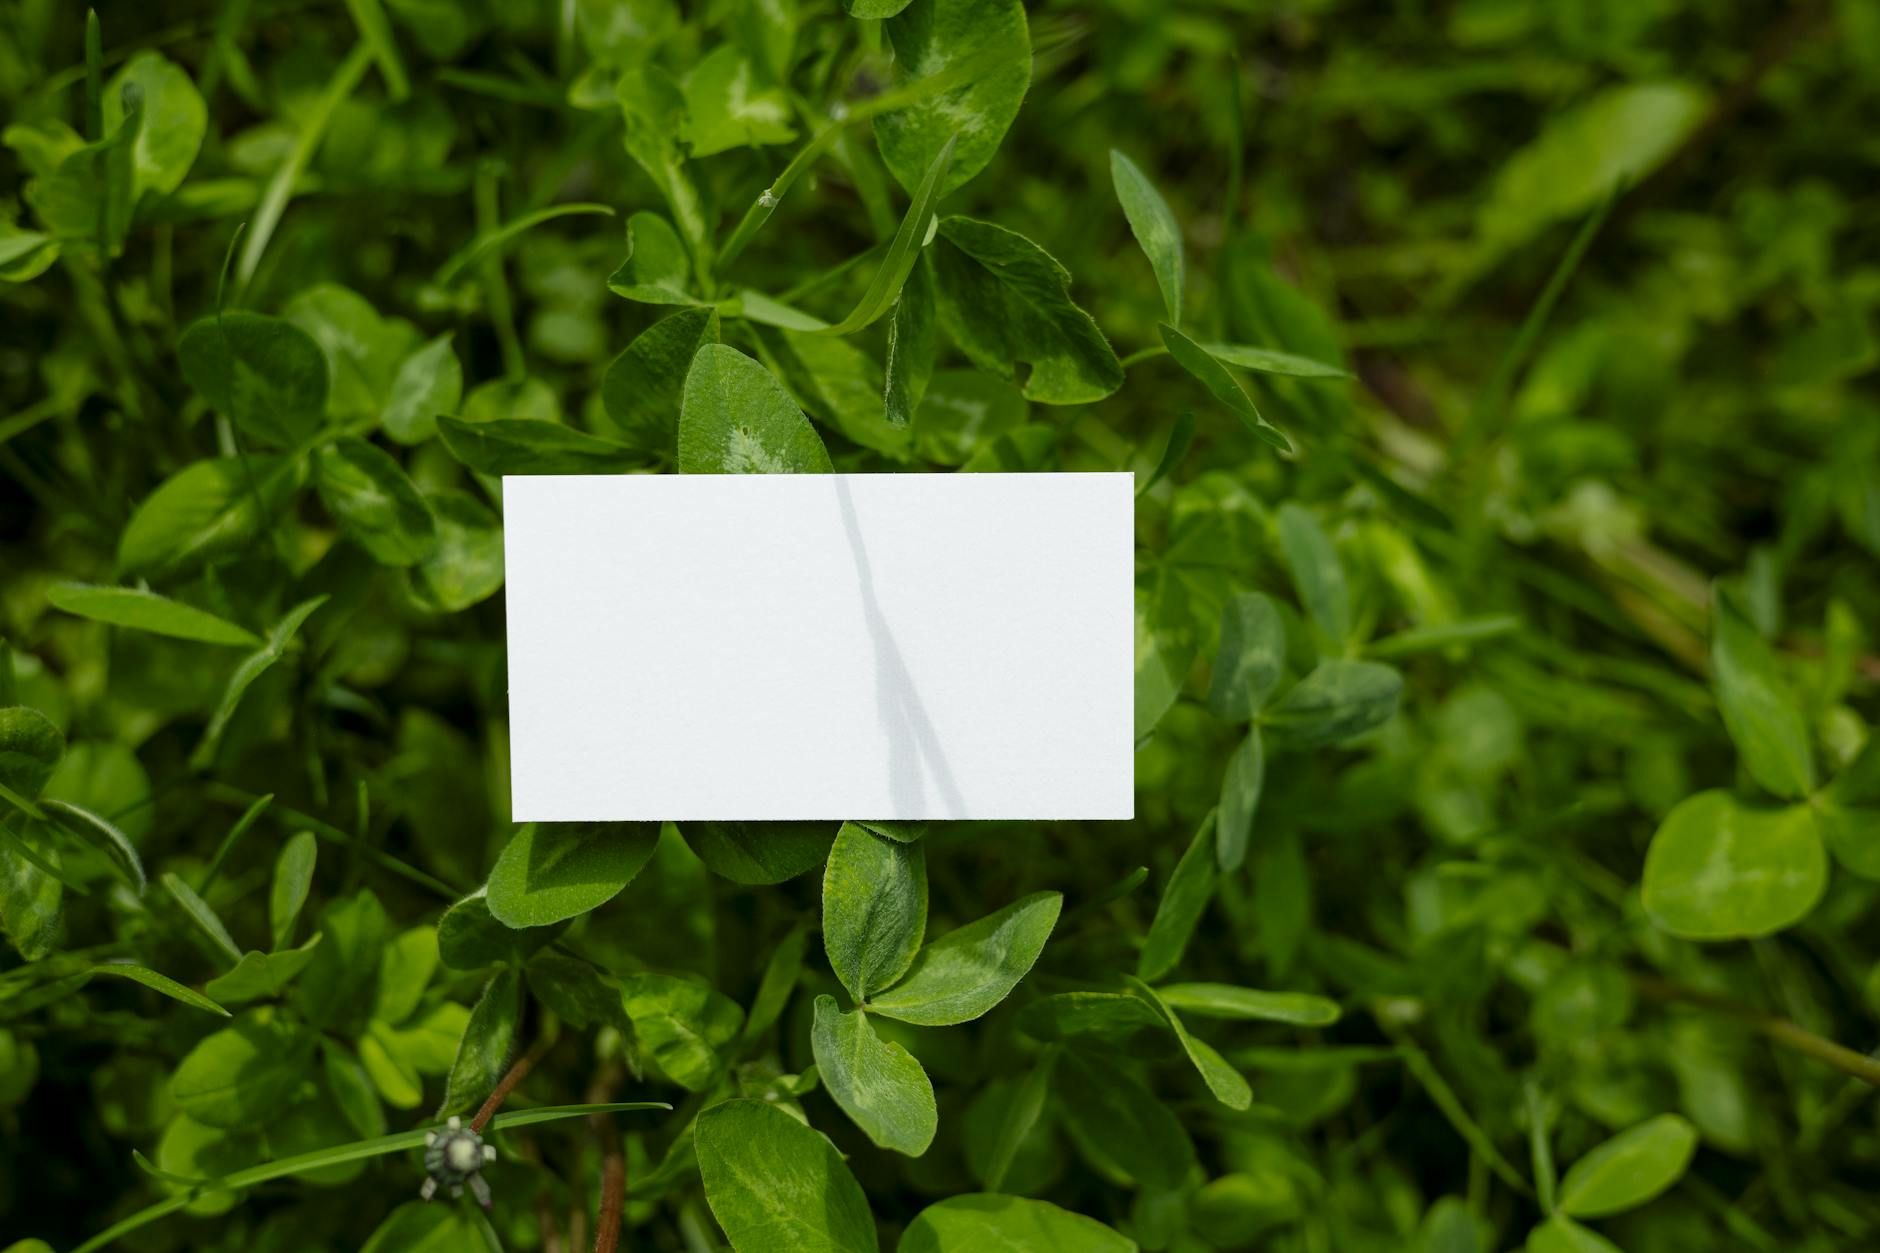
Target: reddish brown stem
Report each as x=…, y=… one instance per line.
x=507, y=1084
x=613, y=1197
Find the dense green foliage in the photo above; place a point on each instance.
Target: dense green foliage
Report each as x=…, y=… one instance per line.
x=1497, y=375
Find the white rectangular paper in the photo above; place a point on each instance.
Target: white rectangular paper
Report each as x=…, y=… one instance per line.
x=742, y=647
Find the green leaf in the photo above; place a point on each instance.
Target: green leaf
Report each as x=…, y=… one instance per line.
x=364, y=488
x=264, y=374
x=406, y=965
x=966, y=972
x=470, y=938
x=1227, y=389
x=642, y=387
x=1180, y=436
x=874, y=908
x=424, y=1227
x=467, y=566
x=1562, y=1235
x=1220, y=1000
x=488, y=1039
x=175, y=120
x=877, y=1083
x=31, y=901
x=428, y=382
x=1003, y=299
x=1629, y=1169
x=293, y=878
x=200, y=914
x=1111, y=1017
x=160, y=983
x=1126, y=1129
x=736, y=418
x=1228, y=1085
x=1338, y=700
x=1316, y=572
x=1241, y=785
x=141, y=610
x=1760, y=712
x=1250, y=660
x=260, y=976
x=1620, y=133
x=1183, y=900
x=554, y=870
x=1719, y=869
x=531, y=446
x=981, y=1221
x=909, y=365
x=681, y=1022
x=1165, y=649
x=30, y=748
x=1273, y=361
x=778, y=1186
x=206, y=510
x=1021, y=1115
x=88, y=199
x=362, y=349
x=251, y=668
x=102, y=835
x=728, y=106
x=1153, y=224
x=654, y=110
x=759, y=853
x=931, y=38
x=578, y=993
x=782, y=970
x=244, y=1074
x=338, y=988
x=873, y=10
x=903, y=250
x=656, y=270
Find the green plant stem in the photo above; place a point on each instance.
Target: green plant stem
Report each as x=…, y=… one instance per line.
x=312, y=130
x=327, y=831
x=94, y=78
x=356, y=1151
x=1782, y=1031
x=495, y=283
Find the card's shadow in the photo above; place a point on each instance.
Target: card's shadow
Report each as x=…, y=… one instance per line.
x=915, y=754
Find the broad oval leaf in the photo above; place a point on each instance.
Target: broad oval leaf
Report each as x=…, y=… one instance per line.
x=983, y=44
x=1003, y=299
x=243, y=1074
x=554, y=870
x=1153, y=224
x=488, y=1039
x=877, y=1083
x=1629, y=1169
x=1338, y=700
x=656, y=269
x=428, y=382
x=1316, y=571
x=681, y=1022
x=759, y=853
x=1719, y=869
x=874, y=908
x=367, y=491
x=204, y=511
x=532, y=446
x=467, y=565
x=1560, y=1234
x=141, y=610
x=1760, y=712
x=30, y=748
x=1250, y=659
x=778, y=1186
x=969, y=970
x=736, y=418
x=175, y=120
x=642, y=386
x=979, y=1221
x=264, y=374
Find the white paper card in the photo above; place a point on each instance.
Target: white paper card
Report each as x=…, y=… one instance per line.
x=742, y=647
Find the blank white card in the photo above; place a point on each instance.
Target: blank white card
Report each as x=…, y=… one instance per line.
x=743, y=647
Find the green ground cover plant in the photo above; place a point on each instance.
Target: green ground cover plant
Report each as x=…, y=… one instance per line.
x=1498, y=380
